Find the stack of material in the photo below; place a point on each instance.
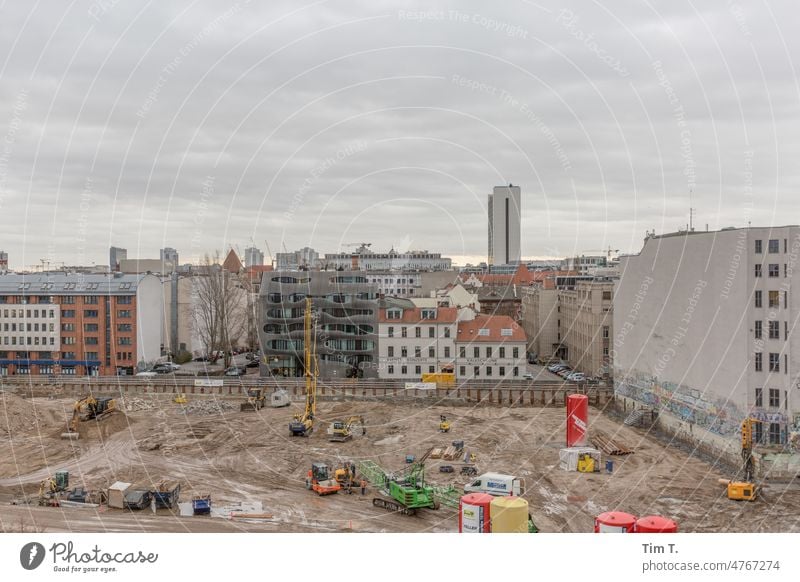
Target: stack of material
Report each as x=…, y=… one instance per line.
x=450, y=453
x=608, y=445
x=208, y=407
x=133, y=404
x=437, y=453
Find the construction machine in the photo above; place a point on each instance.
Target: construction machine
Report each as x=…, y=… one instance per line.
x=88, y=408
x=746, y=489
x=345, y=476
x=180, y=399
x=319, y=480
x=342, y=430
x=256, y=400
x=408, y=491
x=303, y=424
x=444, y=424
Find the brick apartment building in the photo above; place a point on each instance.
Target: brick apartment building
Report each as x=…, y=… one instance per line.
x=78, y=324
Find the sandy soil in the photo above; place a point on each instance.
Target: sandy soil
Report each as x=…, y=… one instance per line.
x=238, y=456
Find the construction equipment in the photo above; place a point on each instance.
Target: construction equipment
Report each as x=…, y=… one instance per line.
x=180, y=399
x=346, y=476
x=342, y=430
x=746, y=489
x=319, y=480
x=88, y=408
x=407, y=491
x=256, y=400
x=586, y=464
x=201, y=504
x=303, y=424
x=444, y=424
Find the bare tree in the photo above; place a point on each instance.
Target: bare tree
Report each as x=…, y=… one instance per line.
x=219, y=310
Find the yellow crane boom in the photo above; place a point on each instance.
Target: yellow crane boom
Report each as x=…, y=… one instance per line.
x=303, y=425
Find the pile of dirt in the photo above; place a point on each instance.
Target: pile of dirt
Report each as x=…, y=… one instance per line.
x=209, y=407
x=21, y=417
x=133, y=404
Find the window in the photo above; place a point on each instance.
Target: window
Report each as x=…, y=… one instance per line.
x=67, y=313
x=774, y=398
x=391, y=351
x=606, y=295
x=390, y=331
x=758, y=433
x=516, y=371
x=403, y=370
x=774, y=245
x=605, y=332
x=431, y=332
x=758, y=270
x=68, y=300
x=447, y=332
x=67, y=355
x=121, y=341
x=91, y=356
x=462, y=352
x=774, y=362
x=92, y=341
x=502, y=371
x=774, y=298
x=488, y=370
x=774, y=330
x=476, y=371
x=476, y=352
x=502, y=353
x=418, y=370
x=516, y=352
x=757, y=360
x=774, y=270
x=758, y=299
x=786, y=330
x=462, y=371
x=446, y=351
x=124, y=327
x=67, y=370
x=91, y=300
x=758, y=247
x=428, y=314
x=759, y=397
x=125, y=300
x=785, y=274
x=123, y=314
x=90, y=313
x=483, y=331
x=390, y=369
x=417, y=352
x=774, y=433
x=404, y=332
x=431, y=352
x=89, y=327
x=417, y=331
x=757, y=330
x=69, y=341
x=431, y=369
x=403, y=352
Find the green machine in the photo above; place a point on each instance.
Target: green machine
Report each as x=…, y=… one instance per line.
x=406, y=492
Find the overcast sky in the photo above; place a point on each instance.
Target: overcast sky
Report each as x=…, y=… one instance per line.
x=204, y=125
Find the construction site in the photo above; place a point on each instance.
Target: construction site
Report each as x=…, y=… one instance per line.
x=257, y=475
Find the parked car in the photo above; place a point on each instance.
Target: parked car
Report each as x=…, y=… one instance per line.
x=576, y=377
x=146, y=374
x=251, y=364
x=564, y=373
x=527, y=376
x=555, y=368
x=202, y=358
x=235, y=371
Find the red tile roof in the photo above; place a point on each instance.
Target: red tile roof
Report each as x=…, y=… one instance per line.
x=443, y=315
x=468, y=331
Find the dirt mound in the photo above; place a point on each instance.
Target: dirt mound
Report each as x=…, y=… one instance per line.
x=102, y=428
x=19, y=416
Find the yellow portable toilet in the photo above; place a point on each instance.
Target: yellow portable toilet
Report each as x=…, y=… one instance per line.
x=509, y=514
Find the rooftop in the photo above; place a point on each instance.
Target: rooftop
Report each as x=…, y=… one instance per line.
x=415, y=315
x=62, y=283
x=490, y=328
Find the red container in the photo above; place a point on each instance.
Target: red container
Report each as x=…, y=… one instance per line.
x=473, y=513
x=577, y=419
x=655, y=524
x=614, y=522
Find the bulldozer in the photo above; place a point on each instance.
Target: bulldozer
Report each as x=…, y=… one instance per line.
x=319, y=480
x=342, y=430
x=88, y=408
x=256, y=400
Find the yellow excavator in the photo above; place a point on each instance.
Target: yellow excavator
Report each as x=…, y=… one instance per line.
x=746, y=489
x=342, y=430
x=303, y=424
x=444, y=424
x=345, y=476
x=88, y=408
x=256, y=400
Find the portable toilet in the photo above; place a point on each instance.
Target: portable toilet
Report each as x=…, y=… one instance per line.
x=614, y=522
x=116, y=494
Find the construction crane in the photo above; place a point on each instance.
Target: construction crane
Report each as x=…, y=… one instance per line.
x=269, y=251
x=342, y=430
x=408, y=491
x=303, y=424
x=746, y=489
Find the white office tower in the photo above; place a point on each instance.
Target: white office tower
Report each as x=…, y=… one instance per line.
x=505, y=236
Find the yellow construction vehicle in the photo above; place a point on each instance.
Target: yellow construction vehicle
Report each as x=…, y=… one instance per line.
x=303, y=424
x=88, y=408
x=342, y=430
x=180, y=399
x=746, y=489
x=345, y=476
x=444, y=424
x=256, y=400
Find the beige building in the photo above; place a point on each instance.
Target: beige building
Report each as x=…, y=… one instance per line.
x=540, y=321
x=585, y=317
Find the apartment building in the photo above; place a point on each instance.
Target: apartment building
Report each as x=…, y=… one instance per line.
x=703, y=332
x=416, y=341
x=78, y=324
x=540, y=319
x=365, y=260
x=345, y=306
x=410, y=284
x=490, y=348
x=586, y=322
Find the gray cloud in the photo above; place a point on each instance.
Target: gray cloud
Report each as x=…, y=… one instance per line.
x=606, y=115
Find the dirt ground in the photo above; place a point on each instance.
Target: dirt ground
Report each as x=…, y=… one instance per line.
x=241, y=456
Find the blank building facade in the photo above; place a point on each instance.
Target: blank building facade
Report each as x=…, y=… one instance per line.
x=504, y=213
